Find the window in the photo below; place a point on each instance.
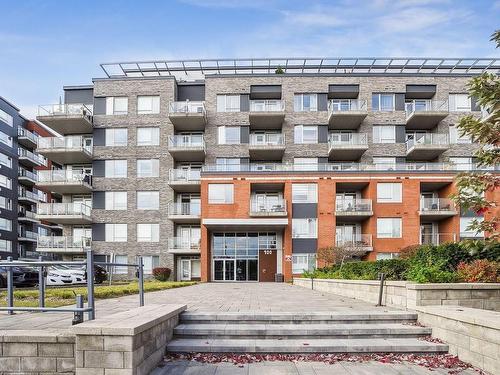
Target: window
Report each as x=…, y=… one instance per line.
x=385, y=256
x=305, y=102
x=148, y=232
x=148, y=200
x=228, y=103
x=116, y=137
x=383, y=102
x=6, y=246
x=305, y=228
x=305, y=164
x=305, y=134
x=5, y=139
x=148, y=136
x=5, y=117
x=148, y=105
x=150, y=262
x=389, y=192
x=220, y=193
x=304, y=193
x=116, y=232
x=5, y=224
x=384, y=134
x=456, y=137
x=5, y=203
x=116, y=105
x=389, y=227
x=148, y=168
x=303, y=262
x=460, y=102
x=5, y=160
x=229, y=135
x=228, y=164
x=115, y=168
x=383, y=163
x=5, y=182
x=465, y=222
x=462, y=163
x=115, y=200
x=121, y=270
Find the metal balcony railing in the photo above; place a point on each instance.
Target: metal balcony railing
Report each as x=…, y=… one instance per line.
x=354, y=240
x=64, y=110
x=27, y=234
x=59, y=209
x=423, y=105
x=186, y=142
x=21, y=132
x=186, y=209
x=26, y=214
x=430, y=139
x=36, y=158
x=63, y=242
x=269, y=207
x=345, y=139
x=28, y=174
x=437, y=238
x=184, y=175
x=70, y=143
x=267, y=105
x=187, y=107
x=35, y=194
x=353, y=205
x=270, y=139
x=346, y=105
x=436, y=204
x=64, y=175
x=181, y=243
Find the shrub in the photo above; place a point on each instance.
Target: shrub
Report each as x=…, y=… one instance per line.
x=394, y=269
x=161, y=273
x=429, y=273
x=479, y=271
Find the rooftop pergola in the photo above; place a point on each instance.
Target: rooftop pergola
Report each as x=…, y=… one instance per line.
x=199, y=68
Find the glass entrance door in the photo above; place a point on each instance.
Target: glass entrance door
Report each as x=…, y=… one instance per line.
x=185, y=269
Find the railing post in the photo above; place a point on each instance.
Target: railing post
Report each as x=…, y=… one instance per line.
x=90, y=284
x=141, y=281
x=10, y=287
x=78, y=315
x=41, y=284
x=381, y=290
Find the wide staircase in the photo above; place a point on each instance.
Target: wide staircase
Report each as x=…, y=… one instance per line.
x=276, y=332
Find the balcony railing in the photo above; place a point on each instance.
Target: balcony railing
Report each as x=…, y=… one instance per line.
x=181, y=243
x=64, y=110
x=28, y=174
x=346, y=139
x=429, y=139
x=40, y=196
x=354, y=205
x=27, y=234
x=184, y=209
x=186, y=142
x=267, y=105
x=63, y=242
x=437, y=238
x=354, y=240
x=425, y=106
x=436, y=204
x=184, y=175
x=346, y=105
x=35, y=158
x=59, y=209
x=187, y=107
x=269, y=207
x=64, y=175
x=21, y=132
x=270, y=139
x=27, y=215
x=70, y=143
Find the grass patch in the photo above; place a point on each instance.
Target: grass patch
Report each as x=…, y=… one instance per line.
x=55, y=297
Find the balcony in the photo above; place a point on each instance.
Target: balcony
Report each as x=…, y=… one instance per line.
x=266, y=113
x=65, y=213
x=183, y=246
x=63, y=244
x=266, y=146
x=187, y=147
x=437, y=238
x=355, y=242
x=30, y=159
x=424, y=114
x=66, y=118
x=66, y=150
x=184, y=213
x=184, y=180
x=188, y=115
x=24, y=235
x=346, y=114
x=26, y=138
x=63, y=181
x=26, y=177
x=31, y=197
x=27, y=217
x=347, y=146
x=353, y=209
x=268, y=208
x=437, y=208
x=426, y=146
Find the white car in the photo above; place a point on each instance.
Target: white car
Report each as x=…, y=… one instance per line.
x=64, y=275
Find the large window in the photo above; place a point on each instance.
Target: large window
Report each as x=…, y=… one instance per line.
x=150, y=262
x=242, y=244
x=383, y=102
x=220, y=193
x=383, y=163
x=5, y=182
x=385, y=256
x=5, y=160
x=5, y=203
x=121, y=270
x=116, y=105
x=305, y=164
x=462, y=163
x=5, y=139
x=305, y=228
x=148, y=167
x=228, y=164
x=115, y=200
x=116, y=232
x=303, y=262
x=5, y=117
x=305, y=102
x=389, y=192
x=5, y=224
x=384, y=134
x=304, y=193
x=6, y=246
x=148, y=136
x=305, y=134
x=457, y=137
x=148, y=232
x=465, y=223
x=148, y=105
x=228, y=103
x=459, y=103
x=148, y=200
x=229, y=135
x=116, y=137
x=115, y=168
x=389, y=227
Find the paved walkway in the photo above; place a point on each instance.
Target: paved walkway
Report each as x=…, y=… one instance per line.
x=213, y=297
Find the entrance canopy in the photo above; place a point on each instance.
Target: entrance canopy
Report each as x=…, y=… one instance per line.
x=245, y=224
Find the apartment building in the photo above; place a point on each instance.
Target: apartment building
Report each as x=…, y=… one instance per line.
x=225, y=171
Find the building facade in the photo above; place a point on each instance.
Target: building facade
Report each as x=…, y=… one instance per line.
x=242, y=175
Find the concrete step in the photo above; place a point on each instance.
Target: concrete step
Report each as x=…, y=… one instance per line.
x=371, y=345
x=323, y=330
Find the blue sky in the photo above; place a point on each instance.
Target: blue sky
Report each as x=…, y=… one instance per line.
x=47, y=44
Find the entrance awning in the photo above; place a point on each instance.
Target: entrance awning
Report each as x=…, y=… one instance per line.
x=245, y=224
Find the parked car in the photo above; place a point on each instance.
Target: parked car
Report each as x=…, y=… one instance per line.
x=58, y=276
x=23, y=277
x=67, y=275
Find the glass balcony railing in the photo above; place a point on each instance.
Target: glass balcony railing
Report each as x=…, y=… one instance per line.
x=61, y=209
x=270, y=139
x=346, y=139
x=27, y=174
x=184, y=209
x=63, y=242
x=182, y=243
x=436, y=204
x=64, y=110
x=268, y=207
x=21, y=132
x=425, y=105
x=346, y=105
x=354, y=205
x=429, y=139
x=354, y=240
x=70, y=143
x=64, y=176
x=34, y=157
x=186, y=142
x=184, y=175
x=437, y=238
x=26, y=214
x=267, y=105
x=187, y=107
x=22, y=233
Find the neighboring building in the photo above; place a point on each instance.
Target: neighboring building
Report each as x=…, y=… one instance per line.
x=242, y=174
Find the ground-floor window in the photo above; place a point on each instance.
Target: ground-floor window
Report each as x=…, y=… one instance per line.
x=303, y=262
x=150, y=262
x=121, y=270
x=189, y=268
x=382, y=256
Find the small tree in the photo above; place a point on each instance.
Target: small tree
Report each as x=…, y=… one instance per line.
x=472, y=186
x=279, y=70
x=339, y=254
